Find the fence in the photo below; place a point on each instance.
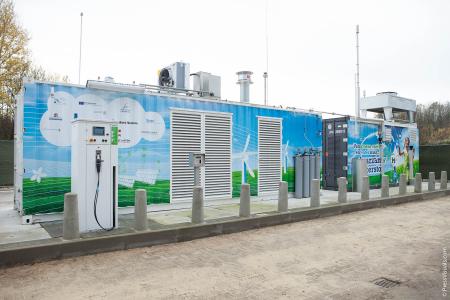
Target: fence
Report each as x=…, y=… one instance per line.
x=6, y=162
x=434, y=158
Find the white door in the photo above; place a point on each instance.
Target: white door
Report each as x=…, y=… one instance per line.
x=185, y=138
x=217, y=132
x=269, y=155
x=200, y=132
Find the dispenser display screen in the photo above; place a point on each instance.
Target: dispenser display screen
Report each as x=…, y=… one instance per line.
x=98, y=131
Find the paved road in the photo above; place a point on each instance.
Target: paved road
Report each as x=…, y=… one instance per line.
x=330, y=258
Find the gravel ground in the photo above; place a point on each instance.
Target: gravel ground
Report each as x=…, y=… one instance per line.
x=330, y=258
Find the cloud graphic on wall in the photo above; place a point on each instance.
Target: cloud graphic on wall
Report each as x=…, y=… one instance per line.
x=153, y=126
x=91, y=107
x=134, y=122
x=55, y=122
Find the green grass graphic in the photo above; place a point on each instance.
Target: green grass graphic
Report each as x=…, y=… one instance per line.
x=156, y=193
x=289, y=177
x=237, y=180
x=48, y=195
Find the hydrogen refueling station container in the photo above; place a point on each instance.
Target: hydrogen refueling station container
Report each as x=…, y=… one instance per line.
x=159, y=127
x=156, y=129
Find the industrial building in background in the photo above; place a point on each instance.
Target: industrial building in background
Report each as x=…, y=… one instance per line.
x=162, y=127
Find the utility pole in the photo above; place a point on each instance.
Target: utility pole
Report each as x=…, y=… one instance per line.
x=81, y=39
x=357, y=96
x=266, y=73
x=357, y=88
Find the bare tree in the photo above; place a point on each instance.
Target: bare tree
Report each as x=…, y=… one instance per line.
x=433, y=121
x=38, y=73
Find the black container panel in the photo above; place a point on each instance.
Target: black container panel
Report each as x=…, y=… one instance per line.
x=334, y=163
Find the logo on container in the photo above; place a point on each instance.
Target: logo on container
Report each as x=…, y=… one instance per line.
x=55, y=116
x=125, y=109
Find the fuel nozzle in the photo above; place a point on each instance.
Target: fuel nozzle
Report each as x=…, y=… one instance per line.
x=98, y=160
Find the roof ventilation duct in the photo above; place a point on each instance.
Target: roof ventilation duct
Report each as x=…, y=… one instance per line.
x=244, y=80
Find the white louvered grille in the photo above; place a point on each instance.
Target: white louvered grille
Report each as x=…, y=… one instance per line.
x=188, y=131
x=185, y=138
x=269, y=154
x=388, y=134
x=217, y=155
x=413, y=135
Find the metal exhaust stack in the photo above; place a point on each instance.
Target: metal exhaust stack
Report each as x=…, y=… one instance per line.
x=244, y=80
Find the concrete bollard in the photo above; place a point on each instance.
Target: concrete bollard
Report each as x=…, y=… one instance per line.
x=244, y=206
x=431, y=181
x=402, y=185
x=282, y=196
x=315, y=193
x=71, y=228
x=197, y=205
x=365, y=188
x=140, y=209
x=418, y=183
x=443, y=180
x=384, y=186
x=342, y=189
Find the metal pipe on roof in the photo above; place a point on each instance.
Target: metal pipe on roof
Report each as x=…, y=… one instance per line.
x=244, y=80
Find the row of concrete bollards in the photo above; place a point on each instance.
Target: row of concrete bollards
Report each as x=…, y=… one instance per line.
x=432, y=181
x=197, y=216
x=71, y=225
x=342, y=185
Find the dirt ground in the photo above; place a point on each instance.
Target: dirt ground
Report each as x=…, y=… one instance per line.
x=330, y=258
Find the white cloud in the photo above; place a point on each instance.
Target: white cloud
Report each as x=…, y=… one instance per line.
x=134, y=122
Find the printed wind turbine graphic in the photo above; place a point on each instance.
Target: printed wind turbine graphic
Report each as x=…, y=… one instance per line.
x=243, y=156
x=38, y=175
x=285, y=157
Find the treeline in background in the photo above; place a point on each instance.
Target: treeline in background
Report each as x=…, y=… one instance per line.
x=433, y=121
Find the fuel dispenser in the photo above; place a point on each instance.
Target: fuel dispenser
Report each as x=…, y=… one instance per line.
x=94, y=172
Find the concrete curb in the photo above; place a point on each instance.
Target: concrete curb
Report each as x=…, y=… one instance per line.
x=58, y=248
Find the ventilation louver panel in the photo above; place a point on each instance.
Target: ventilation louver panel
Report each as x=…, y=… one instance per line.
x=388, y=134
x=269, y=154
x=185, y=138
x=413, y=135
x=200, y=132
x=217, y=155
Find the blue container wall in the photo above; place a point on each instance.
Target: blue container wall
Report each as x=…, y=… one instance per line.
x=388, y=157
x=395, y=153
x=144, y=121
